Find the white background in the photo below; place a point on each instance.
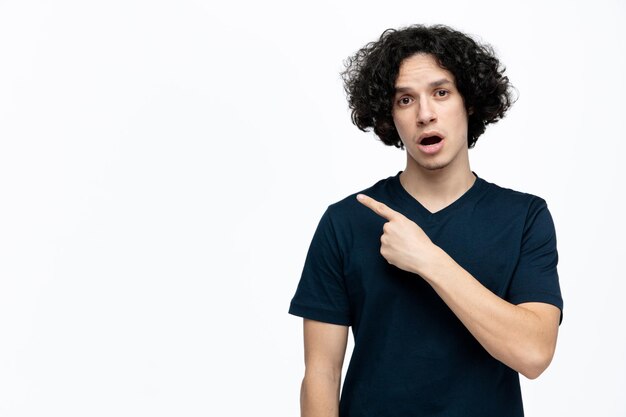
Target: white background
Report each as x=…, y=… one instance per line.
x=163, y=165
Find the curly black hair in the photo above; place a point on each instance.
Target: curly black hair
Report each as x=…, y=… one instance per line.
x=370, y=74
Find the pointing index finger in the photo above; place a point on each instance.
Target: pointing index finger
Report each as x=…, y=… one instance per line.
x=377, y=207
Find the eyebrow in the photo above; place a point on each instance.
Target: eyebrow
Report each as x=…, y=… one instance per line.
x=438, y=83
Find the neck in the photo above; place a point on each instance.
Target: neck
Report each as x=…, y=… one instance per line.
x=436, y=189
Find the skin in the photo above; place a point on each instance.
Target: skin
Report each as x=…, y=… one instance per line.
x=427, y=100
x=521, y=336
x=324, y=351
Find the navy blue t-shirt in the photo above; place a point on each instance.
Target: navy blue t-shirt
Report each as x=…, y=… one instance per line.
x=412, y=356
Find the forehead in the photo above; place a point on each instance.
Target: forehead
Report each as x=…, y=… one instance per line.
x=421, y=68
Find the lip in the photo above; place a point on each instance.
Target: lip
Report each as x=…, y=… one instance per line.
x=430, y=149
x=428, y=134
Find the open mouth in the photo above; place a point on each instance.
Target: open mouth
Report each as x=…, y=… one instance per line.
x=430, y=140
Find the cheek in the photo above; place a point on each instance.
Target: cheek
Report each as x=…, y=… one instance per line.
x=402, y=122
x=458, y=119
x=461, y=123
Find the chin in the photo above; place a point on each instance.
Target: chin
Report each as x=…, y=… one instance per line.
x=434, y=167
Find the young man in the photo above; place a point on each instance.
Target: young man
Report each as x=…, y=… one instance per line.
x=449, y=281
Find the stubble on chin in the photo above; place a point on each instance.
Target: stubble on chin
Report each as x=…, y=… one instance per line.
x=434, y=167
x=428, y=165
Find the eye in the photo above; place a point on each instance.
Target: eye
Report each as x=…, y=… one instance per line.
x=405, y=101
x=442, y=93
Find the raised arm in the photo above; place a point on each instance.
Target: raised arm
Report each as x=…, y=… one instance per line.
x=522, y=336
x=324, y=352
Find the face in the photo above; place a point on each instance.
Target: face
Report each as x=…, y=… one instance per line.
x=430, y=116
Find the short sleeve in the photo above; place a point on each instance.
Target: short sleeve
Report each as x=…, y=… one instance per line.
x=535, y=278
x=321, y=293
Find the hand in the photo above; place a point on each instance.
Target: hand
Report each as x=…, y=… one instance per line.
x=403, y=243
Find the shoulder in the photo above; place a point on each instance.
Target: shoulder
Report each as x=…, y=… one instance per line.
x=349, y=218
x=506, y=206
x=507, y=198
x=349, y=207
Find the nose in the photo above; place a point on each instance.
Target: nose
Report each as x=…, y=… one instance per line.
x=425, y=113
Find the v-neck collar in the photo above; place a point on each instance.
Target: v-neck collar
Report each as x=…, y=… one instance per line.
x=408, y=199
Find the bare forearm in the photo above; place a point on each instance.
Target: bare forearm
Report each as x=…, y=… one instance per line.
x=520, y=336
x=319, y=396
x=512, y=334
